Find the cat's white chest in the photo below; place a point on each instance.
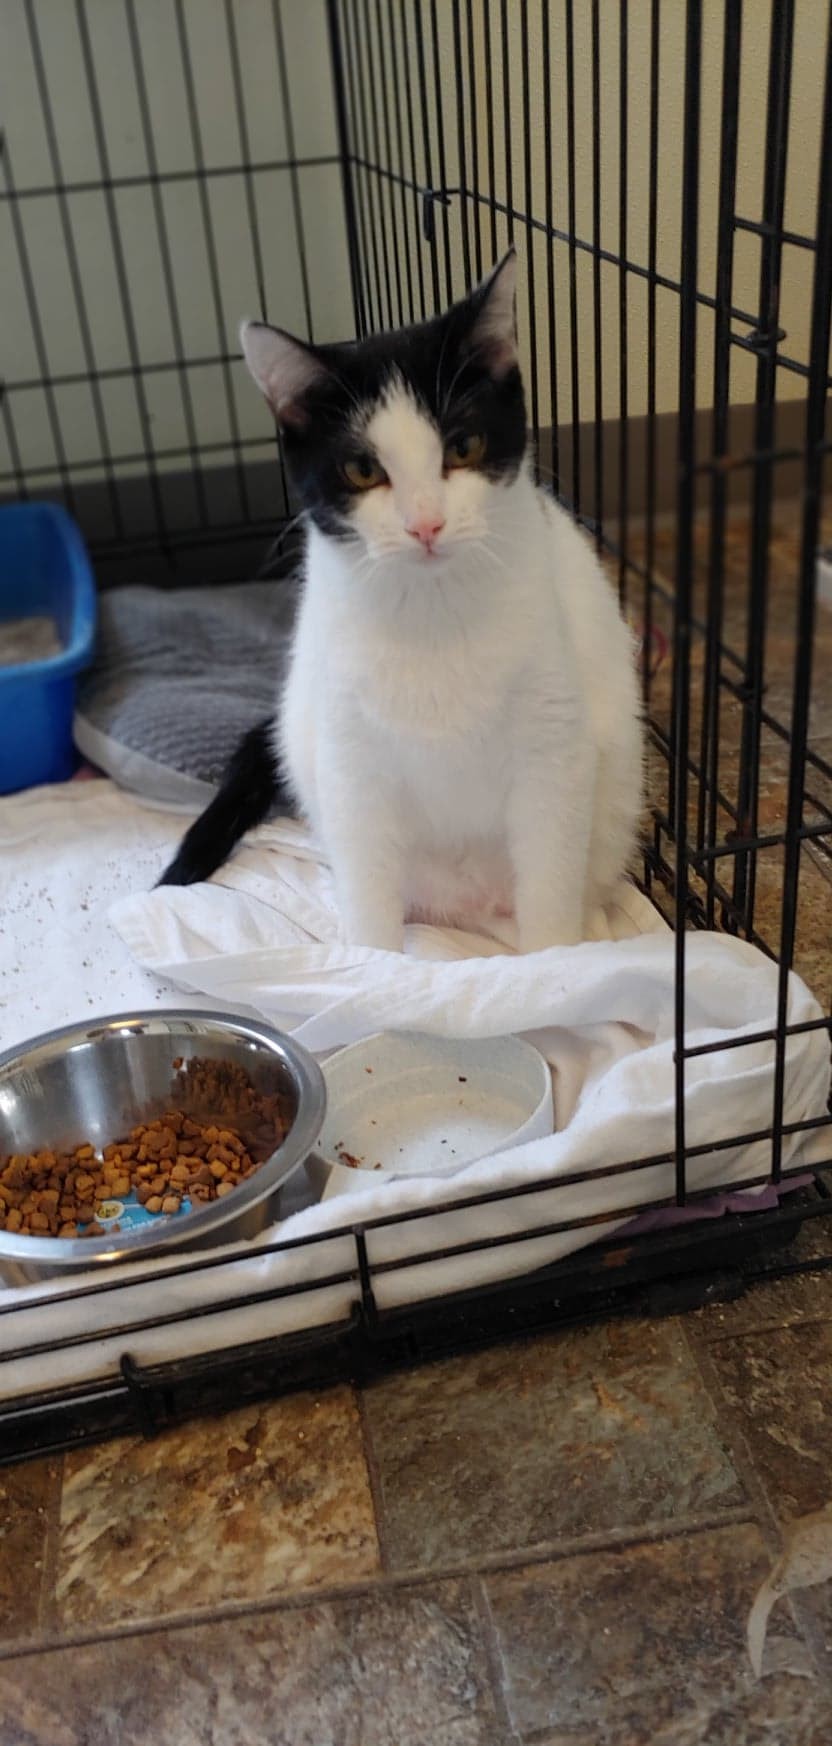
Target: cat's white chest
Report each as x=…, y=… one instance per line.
x=454, y=790
x=435, y=660
x=451, y=804
x=430, y=697
x=451, y=759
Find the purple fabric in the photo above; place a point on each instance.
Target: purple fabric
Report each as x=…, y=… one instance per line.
x=717, y=1205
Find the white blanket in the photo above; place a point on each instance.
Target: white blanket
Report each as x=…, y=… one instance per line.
x=264, y=937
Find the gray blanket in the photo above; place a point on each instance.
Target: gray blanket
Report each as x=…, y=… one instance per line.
x=178, y=677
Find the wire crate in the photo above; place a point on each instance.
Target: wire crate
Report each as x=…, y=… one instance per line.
x=665, y=171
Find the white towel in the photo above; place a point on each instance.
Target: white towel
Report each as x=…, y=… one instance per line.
x=602, y=1013
x=264, y=936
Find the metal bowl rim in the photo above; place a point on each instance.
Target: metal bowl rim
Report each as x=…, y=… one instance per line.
x=310, y=1088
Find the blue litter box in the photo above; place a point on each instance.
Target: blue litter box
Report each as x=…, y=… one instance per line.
x=44, y=573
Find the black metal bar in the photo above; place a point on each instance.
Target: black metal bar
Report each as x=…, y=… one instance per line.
x=391, y=98
x=473, y=119
x=195, y=131
x=805, y=618
x=103, y=1287
x=426, y=139
x=122, y=275
x=720, y=438
x=701, y=858
x=73, y=264
x=531, y=302
x=165, y=259
x=684, y=544
x=261, y=533
x=176, y=1318
x=770, y=457
x=652, y=282
x=361, y=124
x=551, y=310
x=491, y=159
x=762, y=227
x=397, y=69
x=146, y=178
x=462, y=131
x=574, y=338
x=357, y=164
x=177, y=452
x=17, y=472
x=339, y=86
x=513, y=214
x=365, y=1276
x=774, y=195
x=385, y=187
x=656, y=1274
x=560, y=1227
x=396, y=11
x=148, y=1418
x=806, y=1028
x=597, y=311
x=505, y=69
x=441, y=160
x=623, y=337
x=294, y=175
x=245, y=154
x=38, y=337
x=120, y=372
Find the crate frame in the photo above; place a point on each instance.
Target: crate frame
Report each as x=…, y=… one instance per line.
x=408, y=224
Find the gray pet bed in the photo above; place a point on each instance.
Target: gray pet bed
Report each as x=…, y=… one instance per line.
x=179, y=677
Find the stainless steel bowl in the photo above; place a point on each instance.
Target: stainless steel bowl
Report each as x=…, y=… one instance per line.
x=93, y=1082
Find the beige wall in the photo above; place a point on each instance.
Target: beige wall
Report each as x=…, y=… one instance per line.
x=205, y=332
x=313, y=112
x=804, y=143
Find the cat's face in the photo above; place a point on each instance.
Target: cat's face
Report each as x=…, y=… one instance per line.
x=404, y=441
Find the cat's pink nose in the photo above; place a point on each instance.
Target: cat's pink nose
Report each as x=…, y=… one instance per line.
x=426, y=529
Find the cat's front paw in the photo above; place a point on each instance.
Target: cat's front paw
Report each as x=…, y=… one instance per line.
x=541, y=936
x=373, y=937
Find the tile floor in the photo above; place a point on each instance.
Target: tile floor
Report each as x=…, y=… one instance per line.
x=555, y=1541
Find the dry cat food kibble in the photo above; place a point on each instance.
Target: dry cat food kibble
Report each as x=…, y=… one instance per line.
x=224, y=1086
x=59, y=1194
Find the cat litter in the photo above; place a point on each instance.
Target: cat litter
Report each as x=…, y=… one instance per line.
x=28, y=639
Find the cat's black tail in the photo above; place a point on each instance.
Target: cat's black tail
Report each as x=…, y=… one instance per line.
x=250, y=789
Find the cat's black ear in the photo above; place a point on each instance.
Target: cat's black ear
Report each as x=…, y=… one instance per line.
x=283, y=367
x=494, y=330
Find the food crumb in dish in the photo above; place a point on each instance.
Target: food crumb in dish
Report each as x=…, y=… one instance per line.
x=345, y=1157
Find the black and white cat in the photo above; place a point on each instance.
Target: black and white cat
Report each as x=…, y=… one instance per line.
x=460, y=724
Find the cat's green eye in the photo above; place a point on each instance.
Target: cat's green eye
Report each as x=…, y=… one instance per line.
x=362, y=473
x=466, y=451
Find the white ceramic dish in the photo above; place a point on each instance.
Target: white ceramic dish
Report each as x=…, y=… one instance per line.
x=402, y=1106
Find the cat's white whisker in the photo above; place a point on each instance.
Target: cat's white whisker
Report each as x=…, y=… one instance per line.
x=440, y=361
x=452, y=384
x=486, y=552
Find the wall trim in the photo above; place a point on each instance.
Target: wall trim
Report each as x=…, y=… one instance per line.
x=235, y=549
